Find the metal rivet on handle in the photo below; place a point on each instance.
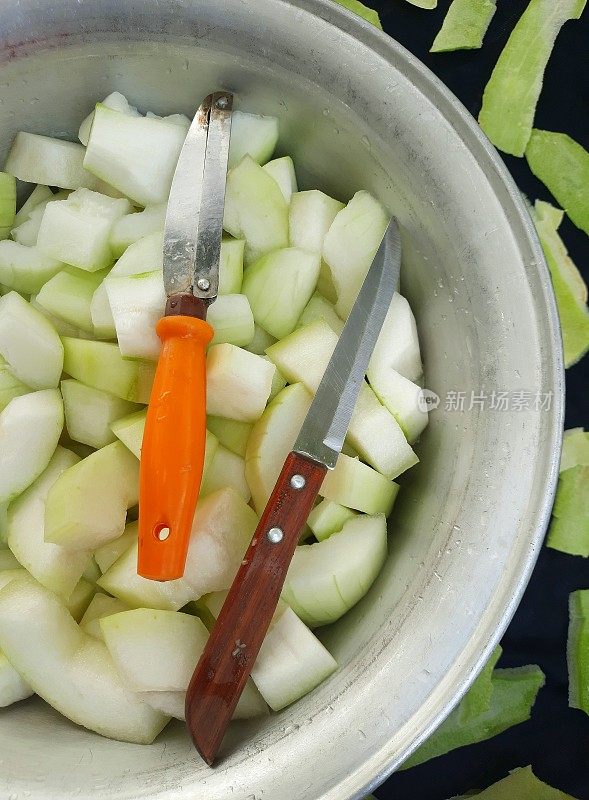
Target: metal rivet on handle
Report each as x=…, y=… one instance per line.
x=203, y=284
x=222, y=102
x=275, y=535
x=297, y=482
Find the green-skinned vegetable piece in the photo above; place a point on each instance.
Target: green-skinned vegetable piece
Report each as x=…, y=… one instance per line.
x=478, y=698
x=511, y=95
x=575, y=449
x=569, y=529
x=569, y=287
x=578, y=650
x=521, y=784
x=464, y=26
x=363, y=11
x=513, y=696
x=563, y=167
x=427, y=4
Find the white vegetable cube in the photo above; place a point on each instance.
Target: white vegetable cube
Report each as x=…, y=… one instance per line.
x=230, y=433
x=254, y=135
x=155, y=650
x=68, y=296
x=402, y=398
x=283, y=172
x=129, y=229
x=40, y=194
x=30, y=427
x=351, y=244
x=238, y=383
x=291, y=661
x=261, y=341
x=136, y=155
x=137, y=303
x=42, y=159
x=328, y=517
x=114, y=100
x=77, y=230
x=226, y=469
x=271, y=440
x=255, y=210
x=90, y=412
x=279, y=286
x=232, y=320
x=356, y=485
x=80, y=598
x=309, y=218
x=320, y=308
x=29, y=344
x=87, y=505
x=326, y=579
x=25, y=269
x=106, y=555
x=72, y=671
x=53, y=566
x=231, y=266
x=304, y=355
x=100, y=606
x=397, y=347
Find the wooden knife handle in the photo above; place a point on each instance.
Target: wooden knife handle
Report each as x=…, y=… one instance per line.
x=240, y=629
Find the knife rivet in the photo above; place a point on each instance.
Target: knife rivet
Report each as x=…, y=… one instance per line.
x=275, y=535
x=203, y=284
x=297, y=482
x=222, y=102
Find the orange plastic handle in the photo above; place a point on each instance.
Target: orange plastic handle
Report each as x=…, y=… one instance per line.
x=172, y=453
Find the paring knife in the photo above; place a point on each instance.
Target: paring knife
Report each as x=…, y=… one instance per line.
x=172, y=453
x=240, y=629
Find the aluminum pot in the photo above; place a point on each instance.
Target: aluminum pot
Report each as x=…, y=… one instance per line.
x=356, y=111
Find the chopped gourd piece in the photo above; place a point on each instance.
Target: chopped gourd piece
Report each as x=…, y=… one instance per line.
x=154, y=650
x=562, y=165
x=238, y=383
x=100, y=606
x=278, y=382
x=232, y=320
x=569, y=529
x=137, y=303
x=129, y=430
x=231, y=434
x=291, y=662
x=30, y=427
x=62, y=327
x=327, y=578
x=511, y=95
x=80, y=598
x=575, y=449
x=130, y=228
x=70, y=670
x=512, y=699
x=402, y=398
x=226, y=469
x=54, y=567
x=255, y=210
x=114, y=100
x=29, y=344
x=569, y=286
x=363, y=11
x=310, y=215
x=278, y=286
x=426, y=4
x=87, y=505
x=358, y=486
x=106, y=555
x=578, y=650
x=25, y=269
x=283, y=172
x=43, y=159
x=350, y=245
x=77, y=230
x=397, y=347
x=465, y=25
x=90, y=412
x=320, y=308
x=10, y=386
x=68, y=296
x=40, y=194
x=101, y=365
x=261, y=341
x=521, y=784
x=12, y=687
x=7, y=203
x=136, y=155
x=328, y=518
x=253, y=135
x=231, y=266
x=272, y=438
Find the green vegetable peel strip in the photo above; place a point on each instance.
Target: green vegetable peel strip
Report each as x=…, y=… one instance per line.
x=569, y=530
x=578, y=650
x=511, y=95
x=563, y=167
x=575, y=449
x=478, y=698
x=513, y=696
x=363, y=11
x=464, y=26
x=521, y=784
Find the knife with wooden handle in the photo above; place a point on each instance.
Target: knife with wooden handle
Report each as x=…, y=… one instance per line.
x=240, y=629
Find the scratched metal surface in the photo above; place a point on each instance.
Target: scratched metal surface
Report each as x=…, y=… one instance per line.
x=356, y=111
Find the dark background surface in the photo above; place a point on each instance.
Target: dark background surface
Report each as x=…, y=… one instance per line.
x=556, y=740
